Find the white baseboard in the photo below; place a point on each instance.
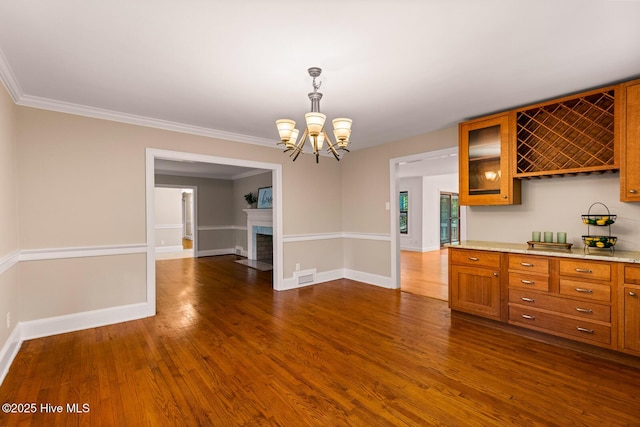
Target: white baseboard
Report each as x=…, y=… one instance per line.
x=239, y=250
x=214, y=252
x=420, y=248
x=368, y=278
x=326, y=276
x=323, y=276
x=69, y=323
x=410, y=248
x=9, y=351
x=167, y=249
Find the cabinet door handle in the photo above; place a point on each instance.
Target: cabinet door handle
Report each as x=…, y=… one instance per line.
x=472, y=258
x=584, y=291
x=632, y=294
x=526, y=264
x=528, y=282
x=525, y=299
x=584, y=310
x=632, y=191
x=495, y=274
x=583, y=270
x=528, y=317
x=504, y=197
x=585, y=330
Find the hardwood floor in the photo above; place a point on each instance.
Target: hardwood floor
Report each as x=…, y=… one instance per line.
x=425, y=273
x=226, y=350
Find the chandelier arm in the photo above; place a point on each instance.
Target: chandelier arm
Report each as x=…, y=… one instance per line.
x=330, y=146
x=298, y=147
x=300, y=144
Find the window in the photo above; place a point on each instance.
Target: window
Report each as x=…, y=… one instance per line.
x=404, y=212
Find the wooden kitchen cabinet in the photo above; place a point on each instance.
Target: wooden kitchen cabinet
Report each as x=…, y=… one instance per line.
x=629, y=336
x=564, y=297
x=630, y=153
x=484, y=154
x=474, y=282
x=594, y=301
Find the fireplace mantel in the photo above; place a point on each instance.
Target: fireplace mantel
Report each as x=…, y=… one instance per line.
x=256, y=218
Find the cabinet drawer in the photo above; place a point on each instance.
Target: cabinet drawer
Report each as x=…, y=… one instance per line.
x=560, y=325
x=529, y=281
x=529, y=263
x=585, y=269
x=632, y=274
x=586, y=310
x=475, y=258
x=592, y=291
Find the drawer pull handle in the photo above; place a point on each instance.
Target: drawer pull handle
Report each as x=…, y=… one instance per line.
x=528, y=282
x=526, y=264
x=583, y=270
x=585, y=330
x=495, y=274
x=632, y=294
x=528, y=317
x=584, y=310
x=525, y=299
x=633, y=191
x=472, y=258
x=584, y=291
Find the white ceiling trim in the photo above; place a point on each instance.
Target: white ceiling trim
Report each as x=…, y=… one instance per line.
x=15, y=91
x=20, y=98
x=9, y=80
x=99, y=113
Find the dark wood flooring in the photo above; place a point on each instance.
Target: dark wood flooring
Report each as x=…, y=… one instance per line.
x=227, y=350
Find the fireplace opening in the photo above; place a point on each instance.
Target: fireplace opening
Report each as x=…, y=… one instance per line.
x=264, y=248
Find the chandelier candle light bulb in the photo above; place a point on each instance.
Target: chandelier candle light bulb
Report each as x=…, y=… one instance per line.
x=315, y=130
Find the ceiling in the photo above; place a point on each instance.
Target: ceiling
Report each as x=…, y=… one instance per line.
x=231, y=68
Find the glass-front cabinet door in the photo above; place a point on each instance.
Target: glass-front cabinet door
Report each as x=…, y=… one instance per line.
x=485, y=173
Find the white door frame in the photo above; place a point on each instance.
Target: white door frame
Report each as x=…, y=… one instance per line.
x=276, y=182
x=394, y=188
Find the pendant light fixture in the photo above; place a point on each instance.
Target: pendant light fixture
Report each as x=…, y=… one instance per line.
x=314, y=129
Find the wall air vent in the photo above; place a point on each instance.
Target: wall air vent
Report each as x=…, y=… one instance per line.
x=305, y=277
x=303, y=280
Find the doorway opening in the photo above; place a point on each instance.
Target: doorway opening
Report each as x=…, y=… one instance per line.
x=449, y=218
x=175, y=222
x=152, y=155
x=423, y=264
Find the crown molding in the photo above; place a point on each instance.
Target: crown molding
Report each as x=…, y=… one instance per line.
x=20, y=98
x=100, y=113
x=9, y=80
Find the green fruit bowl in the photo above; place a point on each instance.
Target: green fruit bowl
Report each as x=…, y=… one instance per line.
x=599, y=241
x=601, y=220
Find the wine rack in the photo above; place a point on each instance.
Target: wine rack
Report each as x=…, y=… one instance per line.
x=566, y=136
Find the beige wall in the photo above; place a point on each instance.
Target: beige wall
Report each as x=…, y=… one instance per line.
x=365, y=192
x=9, y=291
x=67, y=286
x=243, y=186
x=168, y=215
x=8, y=184
x=82, y=184
x=168, y=205
x=557, y=205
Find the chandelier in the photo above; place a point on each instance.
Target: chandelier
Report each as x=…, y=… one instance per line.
x=314, y=130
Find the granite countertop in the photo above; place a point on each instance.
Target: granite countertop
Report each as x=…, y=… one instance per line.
x=523, y=248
